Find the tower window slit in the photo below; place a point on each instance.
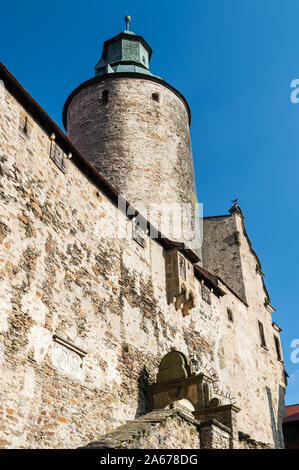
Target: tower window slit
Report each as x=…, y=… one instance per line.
x=277, y=347
x=262, y=335
x=230, y=315
x=105, y=97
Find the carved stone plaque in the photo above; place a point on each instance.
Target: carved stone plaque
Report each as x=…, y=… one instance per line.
x=67, y=360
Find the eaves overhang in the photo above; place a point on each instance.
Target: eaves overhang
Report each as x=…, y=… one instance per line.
x=117, y=76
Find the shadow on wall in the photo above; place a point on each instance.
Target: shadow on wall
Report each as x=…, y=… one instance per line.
x=276, y=424
x=142, y=400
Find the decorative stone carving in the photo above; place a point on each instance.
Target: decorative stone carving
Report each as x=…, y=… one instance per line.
x=173, y=366
x=185, y=406
x=180, y=281
x=176, y=380
x=67, y=357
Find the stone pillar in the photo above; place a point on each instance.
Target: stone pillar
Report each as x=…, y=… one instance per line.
x=214, y=435
x=226, y=415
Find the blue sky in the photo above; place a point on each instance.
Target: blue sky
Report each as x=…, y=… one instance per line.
x=234, y=61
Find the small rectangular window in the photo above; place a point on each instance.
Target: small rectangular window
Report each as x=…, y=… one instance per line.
x=138, y=234
x=206, y=294
x=56, y=154
x=277, y=347
x=105, y=97
x=230, y=315
x=262, y=335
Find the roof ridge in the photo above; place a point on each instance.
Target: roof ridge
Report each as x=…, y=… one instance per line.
x=215, y=216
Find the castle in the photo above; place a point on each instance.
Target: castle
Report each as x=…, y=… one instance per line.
x=113, y=332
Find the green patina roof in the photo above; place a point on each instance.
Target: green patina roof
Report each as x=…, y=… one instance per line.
x=125, y=52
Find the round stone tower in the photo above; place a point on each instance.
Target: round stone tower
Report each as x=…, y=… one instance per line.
x=133, y=127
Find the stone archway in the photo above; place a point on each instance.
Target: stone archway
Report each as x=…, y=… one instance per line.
x=173, y=366
x=176, y=380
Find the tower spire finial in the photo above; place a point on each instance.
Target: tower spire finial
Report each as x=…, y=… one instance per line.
x=127, y=20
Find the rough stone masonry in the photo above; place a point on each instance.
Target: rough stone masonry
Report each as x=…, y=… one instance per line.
x=85, y=317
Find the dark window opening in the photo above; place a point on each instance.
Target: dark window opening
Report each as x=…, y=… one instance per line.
x=230, y=315
x=56, y=154
x=277, y=347
x=105, y=97
x=291, y=431
x=262, y=335
x=205, y=294
x=25, y=128
x=138, y=234
x=182, y=267
x=156, y=97
x=25, y=125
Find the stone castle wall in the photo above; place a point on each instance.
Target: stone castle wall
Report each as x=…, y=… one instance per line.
x=83, y=313
x=221, y=254
x=227, y=252
x=166, y=429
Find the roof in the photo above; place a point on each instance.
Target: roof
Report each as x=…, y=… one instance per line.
x=124, y=35
x=121, y=56
x=127, y=34
x=210, y=280
x=292, y=413
x=216, y=216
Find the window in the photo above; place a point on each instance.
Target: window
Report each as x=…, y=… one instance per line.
x=156, y=97
x=105, y=97
x=25, y=128
x=56, y=154
x=262, y=335
x=277, y=347
x=205, y=294
x=138, y=234
x=182, y=267
x=230, y=315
